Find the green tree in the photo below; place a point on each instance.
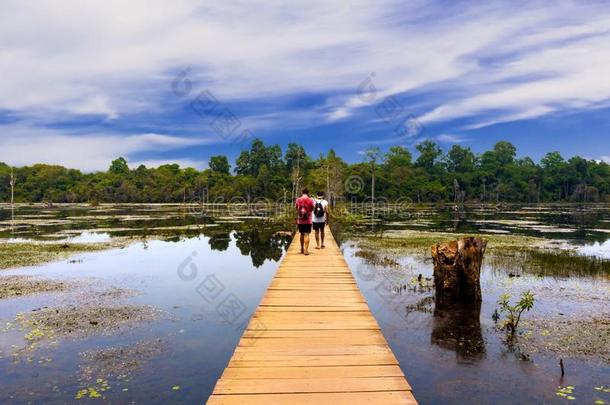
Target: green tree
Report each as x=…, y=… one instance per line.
x=397, y=172
x=219, y=164
x=119, y=166
x=505, y=152
x=429, y=152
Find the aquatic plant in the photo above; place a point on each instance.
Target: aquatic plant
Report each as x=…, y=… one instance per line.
x=32, y=253
x=514, y=311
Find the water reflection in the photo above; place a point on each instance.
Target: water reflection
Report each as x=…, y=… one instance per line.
x=457, y=327
x=261, y=244
x=219, y=241
x=197, y=336
x=601, y=250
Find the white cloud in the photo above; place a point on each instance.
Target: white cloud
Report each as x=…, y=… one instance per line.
x=113, y=58
x=27, y=145
x=533, y=82
x=449, y=138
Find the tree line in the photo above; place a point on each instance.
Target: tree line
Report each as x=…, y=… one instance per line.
x=262, y=171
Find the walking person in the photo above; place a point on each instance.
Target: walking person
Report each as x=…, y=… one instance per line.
x=304, y=206
x=320, y=218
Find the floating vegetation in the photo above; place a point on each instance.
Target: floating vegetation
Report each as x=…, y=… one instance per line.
x=425, y=304
x=118, y=363
x=566, y=392
x=376, y=259
x=588, y=338
x=18, y=286
x=91, y=392
x=47, y=325
x=29, y=254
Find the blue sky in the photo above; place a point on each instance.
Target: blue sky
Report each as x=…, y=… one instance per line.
x=158, y=82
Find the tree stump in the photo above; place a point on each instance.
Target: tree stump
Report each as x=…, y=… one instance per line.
x=457, y=269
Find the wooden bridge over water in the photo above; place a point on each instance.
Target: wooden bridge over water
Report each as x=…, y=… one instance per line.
x=313, y=340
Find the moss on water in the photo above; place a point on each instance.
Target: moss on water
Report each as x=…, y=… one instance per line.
x=589, y=338
x=32, y=253
x=376, y=259
x=18, y=286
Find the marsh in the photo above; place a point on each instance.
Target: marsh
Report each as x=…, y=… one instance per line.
x=146, y=287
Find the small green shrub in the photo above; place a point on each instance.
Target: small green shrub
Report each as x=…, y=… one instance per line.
x=514, y=312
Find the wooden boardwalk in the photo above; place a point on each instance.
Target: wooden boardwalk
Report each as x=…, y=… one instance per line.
x=313, y=340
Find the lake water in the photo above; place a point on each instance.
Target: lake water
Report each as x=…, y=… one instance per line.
x=193, y=269
x=456, y=353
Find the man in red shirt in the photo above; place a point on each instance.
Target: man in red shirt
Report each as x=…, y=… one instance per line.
x=304, y=206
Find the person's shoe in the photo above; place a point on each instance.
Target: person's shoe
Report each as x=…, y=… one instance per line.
x=323, y=246
x=306, y=253
x=317, y=247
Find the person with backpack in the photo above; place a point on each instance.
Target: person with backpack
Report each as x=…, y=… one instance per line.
x=304, y=205
x=320, y=218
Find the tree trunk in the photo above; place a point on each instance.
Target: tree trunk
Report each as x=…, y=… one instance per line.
x=457, y=269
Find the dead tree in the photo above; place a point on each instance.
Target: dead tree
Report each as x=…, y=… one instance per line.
x=457, y=269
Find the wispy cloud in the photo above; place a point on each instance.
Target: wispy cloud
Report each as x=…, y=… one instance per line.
x=449, y=138
x=487, y=64
x=27, y=145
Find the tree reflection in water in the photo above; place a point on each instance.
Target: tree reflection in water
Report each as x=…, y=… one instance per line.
x=457, y=327
x=261, y=244
x=259, y=241
x=220, y=241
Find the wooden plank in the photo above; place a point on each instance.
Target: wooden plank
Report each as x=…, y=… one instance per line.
x=305, y=349
x=313, y=340
x=311, y=287
x=266, y=360
x=293, y=302
x=311, y=372
x=301, y=308
x=294, y=385
x=314, y=294
x=329, y=279
x=344, y=398
x=275, y=342
x=313, y=335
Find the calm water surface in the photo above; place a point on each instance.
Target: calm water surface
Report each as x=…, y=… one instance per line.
x=456, y=353
x=450, y=355
x=204, y=318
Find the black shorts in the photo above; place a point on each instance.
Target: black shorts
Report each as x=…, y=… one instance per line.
x=304, y=228
x=318, y=226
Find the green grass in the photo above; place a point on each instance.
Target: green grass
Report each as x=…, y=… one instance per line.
x=545, y=262
x=514, y=253
x=419, y=242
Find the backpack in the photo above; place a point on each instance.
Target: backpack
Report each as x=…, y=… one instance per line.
x=318, y=210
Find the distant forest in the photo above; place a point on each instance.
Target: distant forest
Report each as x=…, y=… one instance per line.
x=268, y=172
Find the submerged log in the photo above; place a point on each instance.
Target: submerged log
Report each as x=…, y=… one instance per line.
x=457, y=269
